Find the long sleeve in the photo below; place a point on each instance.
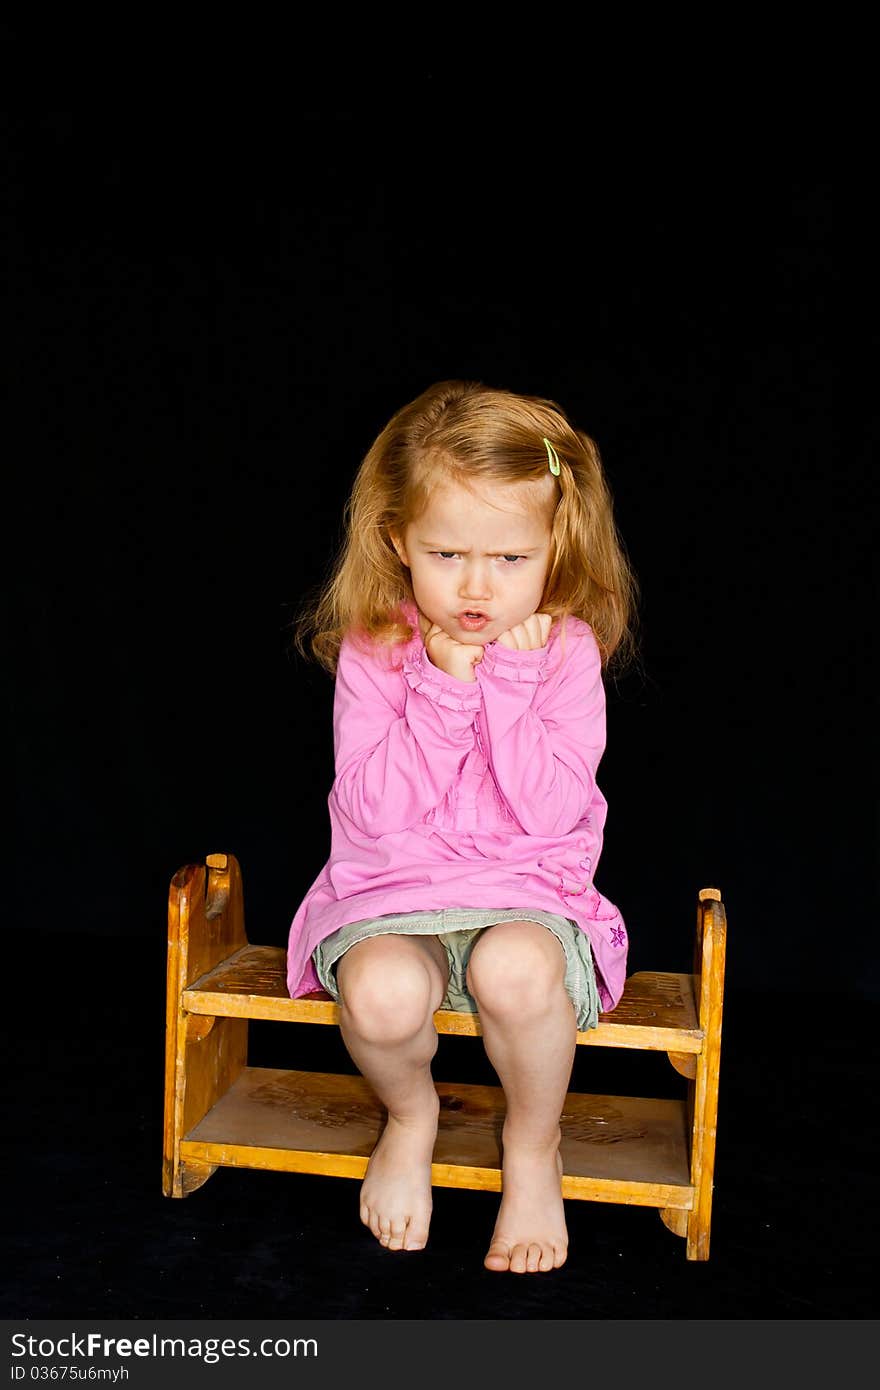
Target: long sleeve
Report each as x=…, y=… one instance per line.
x=401, y=736
x=543, y=726
x=452, y=794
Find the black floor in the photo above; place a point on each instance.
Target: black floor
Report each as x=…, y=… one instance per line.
x=89, y=1233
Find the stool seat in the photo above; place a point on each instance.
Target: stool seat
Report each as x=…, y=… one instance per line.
x=656, y=1010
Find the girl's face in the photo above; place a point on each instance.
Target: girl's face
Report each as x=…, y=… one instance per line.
x=478, y=557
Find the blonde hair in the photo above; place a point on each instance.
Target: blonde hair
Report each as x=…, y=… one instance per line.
x=465, y=432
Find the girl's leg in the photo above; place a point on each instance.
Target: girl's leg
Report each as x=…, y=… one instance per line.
x=516, y=975
x=389, y=988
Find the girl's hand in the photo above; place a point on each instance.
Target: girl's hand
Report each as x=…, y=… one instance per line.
x=528, y=636
x=455, y=658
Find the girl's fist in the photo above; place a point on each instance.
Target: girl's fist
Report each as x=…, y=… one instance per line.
x=528, y=636
x=455, y=658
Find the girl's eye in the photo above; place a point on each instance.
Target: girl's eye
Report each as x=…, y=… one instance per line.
x=451, y=555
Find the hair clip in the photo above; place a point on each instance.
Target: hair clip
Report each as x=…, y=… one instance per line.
x=552, y=458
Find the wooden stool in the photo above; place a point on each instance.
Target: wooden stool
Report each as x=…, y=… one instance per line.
x=220, y=1111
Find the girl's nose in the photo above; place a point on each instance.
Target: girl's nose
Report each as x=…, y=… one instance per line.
x=475, y=583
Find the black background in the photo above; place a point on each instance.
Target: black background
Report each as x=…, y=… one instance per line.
x=215, y=328
x=212, y=318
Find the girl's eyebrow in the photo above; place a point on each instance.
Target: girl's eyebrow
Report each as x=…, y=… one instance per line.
x=457, y=550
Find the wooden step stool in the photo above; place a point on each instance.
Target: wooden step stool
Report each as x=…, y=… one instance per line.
x=220, y=1111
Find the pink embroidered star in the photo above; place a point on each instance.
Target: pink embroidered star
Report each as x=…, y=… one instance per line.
x=618, y=936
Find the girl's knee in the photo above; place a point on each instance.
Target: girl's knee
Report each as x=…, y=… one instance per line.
x=516, y=968
x=386, y=994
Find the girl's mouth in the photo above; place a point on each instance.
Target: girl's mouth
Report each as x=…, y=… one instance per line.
x=472, y=620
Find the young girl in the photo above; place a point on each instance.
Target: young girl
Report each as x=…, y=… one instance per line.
x=480, y=590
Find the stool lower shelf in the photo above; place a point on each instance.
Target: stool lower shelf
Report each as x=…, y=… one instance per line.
x=614, y=1148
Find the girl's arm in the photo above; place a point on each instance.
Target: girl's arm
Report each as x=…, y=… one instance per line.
x=544, y=729
x=400, y=738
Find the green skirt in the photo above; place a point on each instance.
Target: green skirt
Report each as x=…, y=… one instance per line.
x=458, y=929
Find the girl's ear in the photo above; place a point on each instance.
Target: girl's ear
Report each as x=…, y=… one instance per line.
x=397, y=542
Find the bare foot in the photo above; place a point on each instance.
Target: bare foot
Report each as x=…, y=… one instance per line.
x=396, y=1193
x=530, y=1234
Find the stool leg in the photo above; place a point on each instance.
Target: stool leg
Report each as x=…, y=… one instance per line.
x=703, y=1091
x=203, y=1056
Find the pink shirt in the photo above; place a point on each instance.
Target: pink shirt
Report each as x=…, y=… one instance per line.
x=456, y=794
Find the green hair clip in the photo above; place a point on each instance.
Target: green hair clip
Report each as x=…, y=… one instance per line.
x=552, y=458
